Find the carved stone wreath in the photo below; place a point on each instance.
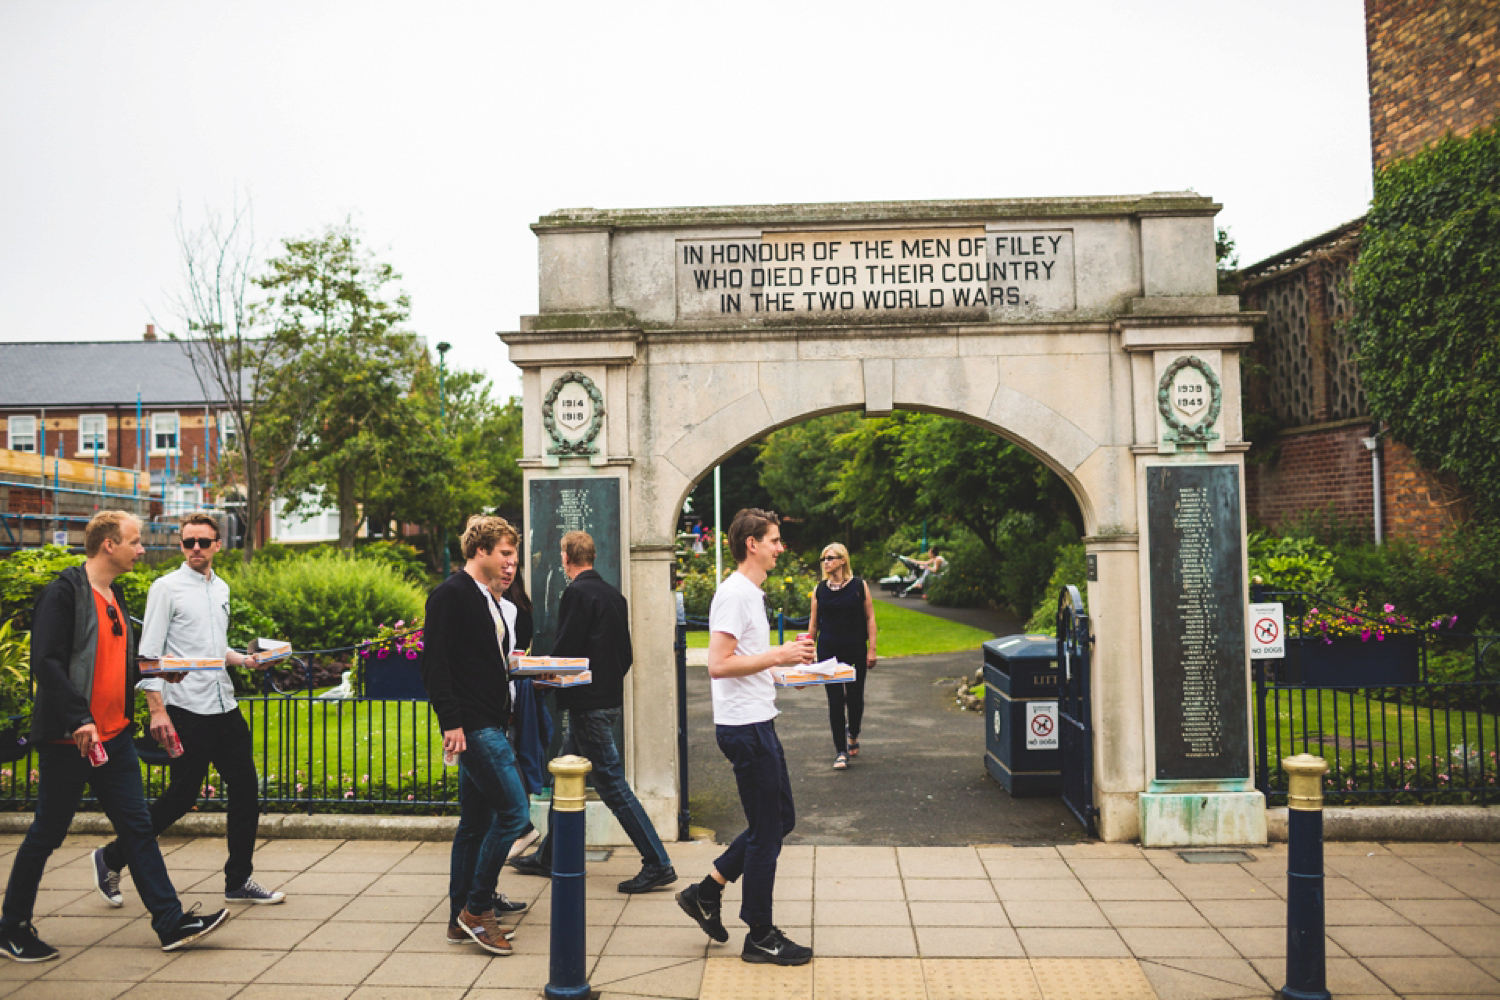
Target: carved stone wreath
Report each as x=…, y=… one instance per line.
x=584, y=445
x=1198, y=433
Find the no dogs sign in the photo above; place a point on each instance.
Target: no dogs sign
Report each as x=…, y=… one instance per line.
x=1267, y=632
x=1041, y=725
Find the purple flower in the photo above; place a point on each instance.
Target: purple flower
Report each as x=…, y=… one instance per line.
x=411, y=655
x=1390, y=607
x=1453, y=621
x=1364, y=636
x=1380, y=637
x=384, y=653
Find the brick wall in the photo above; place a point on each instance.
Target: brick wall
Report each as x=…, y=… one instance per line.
x=1421, y=506
x=1434, y=68
x=1314, y=471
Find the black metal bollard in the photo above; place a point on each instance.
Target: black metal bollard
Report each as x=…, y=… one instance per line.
x=569, y=898
x=1306, y=965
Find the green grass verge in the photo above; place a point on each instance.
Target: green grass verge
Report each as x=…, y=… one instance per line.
x=903, y=632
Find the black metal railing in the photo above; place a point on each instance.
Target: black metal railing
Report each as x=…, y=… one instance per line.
x=1413, y=718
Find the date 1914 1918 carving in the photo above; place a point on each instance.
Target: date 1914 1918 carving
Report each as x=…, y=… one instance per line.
x=862, y=272
x=1198, y=628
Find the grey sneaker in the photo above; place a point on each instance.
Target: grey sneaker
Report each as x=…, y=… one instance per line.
x=107, y=880
x=253, y=892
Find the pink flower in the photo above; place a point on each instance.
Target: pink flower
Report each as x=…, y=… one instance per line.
x=1390, y=607
x=411, y=655
x=1364, y=636
x=1453, y=621
x=349, y=794
x=410, y=797
x=384, y=653
x=1380, y=637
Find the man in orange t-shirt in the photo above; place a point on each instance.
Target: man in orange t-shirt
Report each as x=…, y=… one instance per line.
x=83, y=663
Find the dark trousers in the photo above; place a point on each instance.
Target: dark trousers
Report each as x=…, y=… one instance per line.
x=492, y=811
x=224, y=741
x=766, y=795
x=846, y=702
x=591, y=733
x=62, y=773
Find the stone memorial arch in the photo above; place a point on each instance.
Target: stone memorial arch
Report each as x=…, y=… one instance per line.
x=1087, y=330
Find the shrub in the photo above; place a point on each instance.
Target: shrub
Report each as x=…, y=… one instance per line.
x=1460, y=577
x=325, y=600
x=15, y=670
x=973, y=578
x=24, y=573
x=399, y=556
x=1071, y=567
x=1290, y=563
x=788, y=590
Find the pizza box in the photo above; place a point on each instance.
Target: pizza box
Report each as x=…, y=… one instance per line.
x=522, y=665
x=827, y=672
x=564, y=680
x=181, y=664
x=270, y=650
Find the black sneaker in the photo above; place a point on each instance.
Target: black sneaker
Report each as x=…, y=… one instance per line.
x=530, y=864
x=650, y=877
x=21, y=944
x=703, y=911
x=775, y=949
x=192, y=928
x=504, y=904
x=107, y=880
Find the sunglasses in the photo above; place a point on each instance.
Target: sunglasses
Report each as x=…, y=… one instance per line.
x=114, y=620
x=832, y=558
x=198, y=543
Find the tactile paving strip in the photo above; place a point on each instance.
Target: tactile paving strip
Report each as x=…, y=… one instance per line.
x=1092, y=979
x=733, y=979
x=867, y=978
x=980, y=979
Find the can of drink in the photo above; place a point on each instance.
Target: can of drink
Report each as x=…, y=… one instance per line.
x=804, y=636
x=98, y=755
x=450, y=758
x=174, y=744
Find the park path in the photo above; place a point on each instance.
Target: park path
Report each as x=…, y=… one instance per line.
x=364, y=921
x=919, y=779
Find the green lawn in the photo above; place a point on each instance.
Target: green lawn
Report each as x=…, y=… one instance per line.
x=903, y=632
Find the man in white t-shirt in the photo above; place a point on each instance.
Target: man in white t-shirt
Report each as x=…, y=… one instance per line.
x=739, y=661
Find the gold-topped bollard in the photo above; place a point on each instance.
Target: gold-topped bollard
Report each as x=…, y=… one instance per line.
x=569, y=898
x=1306, y=967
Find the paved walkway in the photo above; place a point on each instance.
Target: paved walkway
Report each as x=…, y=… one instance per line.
x=364, y=921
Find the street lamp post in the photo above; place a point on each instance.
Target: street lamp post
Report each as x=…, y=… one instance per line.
x=443, y=348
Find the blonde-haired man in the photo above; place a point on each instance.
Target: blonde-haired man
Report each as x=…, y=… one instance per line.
x=466, y=642
x=83, y=662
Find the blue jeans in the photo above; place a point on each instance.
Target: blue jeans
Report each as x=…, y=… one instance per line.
x=62, y=773
x=492, y=813
x=766, y=795
x=590, y=733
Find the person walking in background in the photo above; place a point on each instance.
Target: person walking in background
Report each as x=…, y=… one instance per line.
x=843, y=625
x=466, y=641
x=83, y=661
x=593, y=621
x=187, y=614
x=744, y=693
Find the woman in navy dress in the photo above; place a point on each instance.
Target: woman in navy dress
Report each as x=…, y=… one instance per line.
x=843, y=623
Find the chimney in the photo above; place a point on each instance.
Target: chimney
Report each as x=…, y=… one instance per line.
x=150, y=331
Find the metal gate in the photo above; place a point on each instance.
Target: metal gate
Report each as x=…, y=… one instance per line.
x=1074, y=645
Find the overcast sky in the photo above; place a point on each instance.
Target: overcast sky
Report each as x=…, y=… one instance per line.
x=444, y=129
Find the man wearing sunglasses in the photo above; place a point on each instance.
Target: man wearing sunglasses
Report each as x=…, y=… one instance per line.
x=187, y=614
x=84, y=665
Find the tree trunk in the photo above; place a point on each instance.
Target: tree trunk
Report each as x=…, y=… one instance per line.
x=348, y=510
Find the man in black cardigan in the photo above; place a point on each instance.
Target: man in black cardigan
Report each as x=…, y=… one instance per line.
x=592, y=621
x=466, y=641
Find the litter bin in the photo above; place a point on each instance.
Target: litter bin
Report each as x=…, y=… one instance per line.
x=1020, y=712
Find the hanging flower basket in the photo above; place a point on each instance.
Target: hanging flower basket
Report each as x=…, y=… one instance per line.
x=1352, y=662
x=13, y=741
x=391, y=663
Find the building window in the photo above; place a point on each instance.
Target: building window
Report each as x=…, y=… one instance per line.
x=229, y=432
x=93, y=439
x=183, y=500
x=21, y=434
x=307, y=524
x=163, y=433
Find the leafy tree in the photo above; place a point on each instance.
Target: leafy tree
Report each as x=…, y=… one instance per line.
x=799, y=467
x=1427, y=309
x=740, y=482
x=333, y=316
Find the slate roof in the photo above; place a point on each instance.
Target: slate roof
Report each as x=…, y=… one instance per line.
x=98, y=373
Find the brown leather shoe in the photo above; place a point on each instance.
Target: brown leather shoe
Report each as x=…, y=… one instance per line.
x=485, y=932
x=457, y=935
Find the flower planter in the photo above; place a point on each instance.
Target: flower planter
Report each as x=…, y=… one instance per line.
x=394, y=677
x=1350, y=662
x=13, y=742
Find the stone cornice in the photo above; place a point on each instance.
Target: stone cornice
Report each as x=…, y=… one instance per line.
x=977, y=211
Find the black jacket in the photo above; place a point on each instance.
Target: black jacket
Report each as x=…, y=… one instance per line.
x=64, y=636
x=463, y=667
x=592, y=621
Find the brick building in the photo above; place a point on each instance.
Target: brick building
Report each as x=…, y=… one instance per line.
x=1432, y=69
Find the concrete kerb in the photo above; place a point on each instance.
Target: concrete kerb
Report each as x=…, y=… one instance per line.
x=1473, y=824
